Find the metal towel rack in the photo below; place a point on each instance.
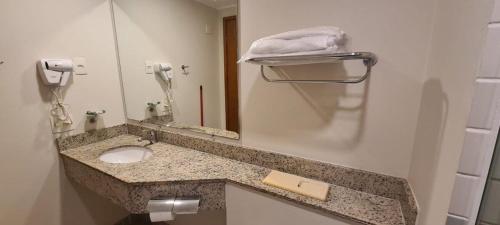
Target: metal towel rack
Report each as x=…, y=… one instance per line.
x=369, y=60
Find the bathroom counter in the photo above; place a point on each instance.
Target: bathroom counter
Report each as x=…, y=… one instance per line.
x=174, y=170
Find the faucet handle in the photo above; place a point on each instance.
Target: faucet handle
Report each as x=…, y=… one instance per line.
x=145, y=139
x=153, y=135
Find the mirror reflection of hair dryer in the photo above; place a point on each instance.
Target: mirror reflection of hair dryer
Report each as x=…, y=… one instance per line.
x=166, y=73
x=164, y=70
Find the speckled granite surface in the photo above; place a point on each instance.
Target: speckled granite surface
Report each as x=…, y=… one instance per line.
x=373, y=183
x=165, y=119
x=175, y=170
x=184, y=127
x=369, y=182
x=89, y=137
x=83, y=166
x=216, y=132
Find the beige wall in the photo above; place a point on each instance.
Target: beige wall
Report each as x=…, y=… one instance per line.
x=366, y=127
x=458, y=36
x=33, y=187
x=170, y=31
x=411, y=123
x=412, y=112
x=245, y=207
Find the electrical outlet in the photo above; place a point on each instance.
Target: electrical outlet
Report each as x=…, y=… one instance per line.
x=208, y=29
x=148, y=67
x=79, y=66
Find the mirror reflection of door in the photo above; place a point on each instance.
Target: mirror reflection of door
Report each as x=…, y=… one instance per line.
x=231, y=73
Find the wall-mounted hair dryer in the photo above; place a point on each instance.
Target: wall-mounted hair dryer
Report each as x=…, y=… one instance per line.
x=55, y=72
x=164, y=70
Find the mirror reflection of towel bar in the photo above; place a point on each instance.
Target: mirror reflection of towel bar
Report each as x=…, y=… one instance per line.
x=369, y=60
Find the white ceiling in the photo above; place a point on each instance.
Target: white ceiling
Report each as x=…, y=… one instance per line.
x=219, y=4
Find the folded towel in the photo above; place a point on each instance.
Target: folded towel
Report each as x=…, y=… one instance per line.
x=309, y=32
x=282, y=46
x=309, y=41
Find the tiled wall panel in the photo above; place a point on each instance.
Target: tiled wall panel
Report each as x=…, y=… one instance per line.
x=480, y=139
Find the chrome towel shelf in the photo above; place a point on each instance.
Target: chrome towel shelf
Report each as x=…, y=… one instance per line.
x=369, y=60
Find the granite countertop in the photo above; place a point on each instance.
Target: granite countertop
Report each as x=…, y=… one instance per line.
x=173, y=164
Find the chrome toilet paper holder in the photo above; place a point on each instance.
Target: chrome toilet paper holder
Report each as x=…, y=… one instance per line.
x=174, y=205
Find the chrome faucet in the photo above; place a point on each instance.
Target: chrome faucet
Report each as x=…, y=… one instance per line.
x=152, y=138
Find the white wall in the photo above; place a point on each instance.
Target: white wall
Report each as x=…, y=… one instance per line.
x=245, y=207
x=314, y=121
x=34, y=189
x=170, y=31
x=458, y=36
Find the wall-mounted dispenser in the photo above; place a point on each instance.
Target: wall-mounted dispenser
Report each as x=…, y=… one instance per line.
x=152, y=106
x=55, y=72
x=93, y=115
x=164, y=70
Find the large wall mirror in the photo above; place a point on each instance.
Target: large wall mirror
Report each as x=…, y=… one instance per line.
x=178, y=63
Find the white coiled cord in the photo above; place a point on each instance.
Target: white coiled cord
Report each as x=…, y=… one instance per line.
x=169, y=98
x=59, y=110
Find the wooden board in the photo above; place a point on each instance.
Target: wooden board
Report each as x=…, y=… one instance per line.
x=301, y=185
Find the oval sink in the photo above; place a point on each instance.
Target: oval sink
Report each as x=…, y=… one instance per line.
x=126, y=154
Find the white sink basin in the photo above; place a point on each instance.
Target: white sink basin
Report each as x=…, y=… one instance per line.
x=126, y=154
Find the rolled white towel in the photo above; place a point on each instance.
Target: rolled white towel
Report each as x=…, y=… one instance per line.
x=315, y=40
